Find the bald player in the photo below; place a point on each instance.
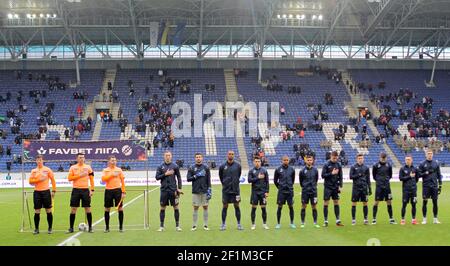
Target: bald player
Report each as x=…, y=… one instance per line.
x=284, y=178
x=230, y=175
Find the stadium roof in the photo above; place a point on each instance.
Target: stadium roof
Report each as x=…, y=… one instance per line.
x=315, y=23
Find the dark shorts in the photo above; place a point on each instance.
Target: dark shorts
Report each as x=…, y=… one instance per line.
x=409, y=195
x=80, y=194
x=330, y=194
x=42, y=199
x=309, y=197
x=113, y=197
x=257, y=198
x=230, y=198
x=168, y=198
x=360, y=195
x=285, y=197
x=383, y=194
x=430, y=193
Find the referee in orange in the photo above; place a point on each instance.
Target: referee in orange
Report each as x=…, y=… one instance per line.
x=115, y=191
x=42, y=197
x=81, y=175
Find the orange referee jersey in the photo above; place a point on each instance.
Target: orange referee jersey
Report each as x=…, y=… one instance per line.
x=81, y=176
x=40, y=177
x=114, y=178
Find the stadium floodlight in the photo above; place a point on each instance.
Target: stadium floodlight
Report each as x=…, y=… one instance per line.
x=302, y=16
x=320, y=17
x=28, y=15
x=48, y=15
x=41, y=15
x=314, y=17
x=10, y=16
x=16, y=16
x=297, y=16
x=33, y=16
x=284, y=16
x=278, y=16
x=54, y=15
x=291, y=16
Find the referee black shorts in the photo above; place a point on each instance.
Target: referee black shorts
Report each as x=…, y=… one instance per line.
x=80, y=194
x=42, y=199
x=113, y=197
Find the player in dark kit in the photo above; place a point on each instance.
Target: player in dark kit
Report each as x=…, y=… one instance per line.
x=430, y=172
x=284, y=178
x=200, y=176
x=309, y=176
x=382, y=174
x=333, y=182
x=360, y=174
x=230, y=175
x=259, y=178
x=168, y=174
x=409, y=177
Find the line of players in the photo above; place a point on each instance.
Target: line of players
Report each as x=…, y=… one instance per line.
x=168, y=173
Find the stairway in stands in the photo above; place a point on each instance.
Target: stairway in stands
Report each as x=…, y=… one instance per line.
x=104, y=96
x=356, y=100
x=233, y=96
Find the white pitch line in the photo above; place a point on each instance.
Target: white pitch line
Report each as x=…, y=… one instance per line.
x=102, y=219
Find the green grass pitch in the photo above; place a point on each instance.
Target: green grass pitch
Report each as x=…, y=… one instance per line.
x=430, y=234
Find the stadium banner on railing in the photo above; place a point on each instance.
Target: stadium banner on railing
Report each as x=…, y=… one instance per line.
x=139, y=178
x=123, y=150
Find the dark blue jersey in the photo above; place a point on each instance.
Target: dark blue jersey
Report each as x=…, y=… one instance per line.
x=382, y=174
x=360, y=174
x=230, y=175
x=200, y=176
x=430, y=172
x=332, y=181
x=284, y=178
x=172, y=182
x=409, y=182
x=259, y=185
x=308, y=179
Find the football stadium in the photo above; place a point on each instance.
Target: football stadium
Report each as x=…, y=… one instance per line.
x=224, y=123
